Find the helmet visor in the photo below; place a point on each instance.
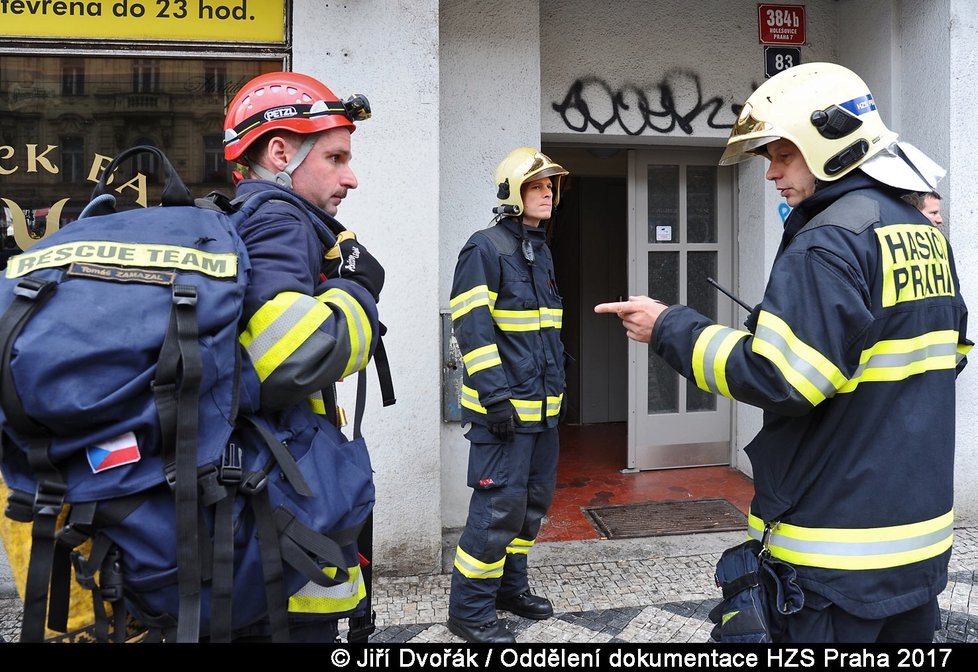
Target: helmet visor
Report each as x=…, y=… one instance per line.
x=547, y=171
x=748, y=135
x=747, y=148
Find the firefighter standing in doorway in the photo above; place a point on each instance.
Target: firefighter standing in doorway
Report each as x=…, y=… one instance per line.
x=506, y=313
x=853, y=354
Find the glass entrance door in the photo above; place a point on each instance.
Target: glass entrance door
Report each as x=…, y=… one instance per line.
x=681, y=205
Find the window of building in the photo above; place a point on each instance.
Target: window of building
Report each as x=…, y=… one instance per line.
x=72, y=159
x=147, y=164
x=215, y=78
x=145, y=76
x=72, y=80
x=75, y=93
x=62, y=120
x=215, y=165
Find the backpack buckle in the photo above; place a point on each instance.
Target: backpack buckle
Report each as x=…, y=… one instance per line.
x=210, y=488
x=32, y=288
x=184, y=295
x=170, y=474
x=49, y=497
x=110, y=577
x=231, y=471
x=84, y=575
x=73, y=534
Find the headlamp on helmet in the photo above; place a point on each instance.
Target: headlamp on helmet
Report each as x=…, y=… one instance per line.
x=287, y=101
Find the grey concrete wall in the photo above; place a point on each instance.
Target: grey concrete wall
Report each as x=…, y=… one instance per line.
x=962, y=214
x=490, y=92
x=389, y=52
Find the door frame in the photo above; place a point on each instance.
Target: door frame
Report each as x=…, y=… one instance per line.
x=672, y=452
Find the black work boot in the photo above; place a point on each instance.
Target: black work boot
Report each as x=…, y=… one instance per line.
x=527, y=605
x=490, y=632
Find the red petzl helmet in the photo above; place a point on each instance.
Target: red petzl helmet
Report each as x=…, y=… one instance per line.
x=289, y=101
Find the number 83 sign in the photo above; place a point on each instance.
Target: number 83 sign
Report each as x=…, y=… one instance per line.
x=777, y=59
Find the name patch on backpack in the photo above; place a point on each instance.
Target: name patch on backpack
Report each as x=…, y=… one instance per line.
x=115, y=274
x=139, y=255
x=113, y=453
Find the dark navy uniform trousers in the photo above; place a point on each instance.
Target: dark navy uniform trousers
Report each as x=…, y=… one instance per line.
x=512, y=488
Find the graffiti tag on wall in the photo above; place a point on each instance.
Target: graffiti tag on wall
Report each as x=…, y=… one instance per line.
x=675, y=102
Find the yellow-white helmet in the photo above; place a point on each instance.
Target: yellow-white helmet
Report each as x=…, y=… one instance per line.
x=524, y=164
x=826, y=110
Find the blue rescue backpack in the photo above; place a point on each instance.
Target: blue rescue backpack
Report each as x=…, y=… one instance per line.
x=130, y=424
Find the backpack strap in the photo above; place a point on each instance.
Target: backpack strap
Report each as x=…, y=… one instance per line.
x=103, y=562
x=361, y=627
x=103, y=558
x=269, y=546
x=222, y=581
x=177, y=392
x=29, y=295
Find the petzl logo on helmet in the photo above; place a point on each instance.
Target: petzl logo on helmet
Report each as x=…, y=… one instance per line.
x=860, y=105
x=280, y=113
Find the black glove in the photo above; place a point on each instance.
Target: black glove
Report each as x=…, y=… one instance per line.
x=349, y=259
x=501, y=421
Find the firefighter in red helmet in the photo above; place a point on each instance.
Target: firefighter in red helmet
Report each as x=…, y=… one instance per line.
x=310, y=312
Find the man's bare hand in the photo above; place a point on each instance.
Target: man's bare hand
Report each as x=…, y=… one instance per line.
x=638, y=315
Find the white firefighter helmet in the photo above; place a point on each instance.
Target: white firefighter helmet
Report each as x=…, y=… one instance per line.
x=826, y=110
x=522, y=165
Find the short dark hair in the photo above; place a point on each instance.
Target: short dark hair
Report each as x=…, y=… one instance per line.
x=917, y=198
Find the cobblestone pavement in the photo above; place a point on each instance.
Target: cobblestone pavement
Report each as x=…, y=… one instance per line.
x=643, y=590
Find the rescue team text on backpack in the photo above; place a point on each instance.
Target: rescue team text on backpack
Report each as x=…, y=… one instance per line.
x=133, y=449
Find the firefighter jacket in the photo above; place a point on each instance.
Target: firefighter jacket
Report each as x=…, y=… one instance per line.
x=506, y=313
x=302, y=331
x=853, y=354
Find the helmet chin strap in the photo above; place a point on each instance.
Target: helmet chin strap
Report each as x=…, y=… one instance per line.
x=284, y=177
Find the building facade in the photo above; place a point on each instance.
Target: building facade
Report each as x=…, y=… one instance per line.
x=635, y=98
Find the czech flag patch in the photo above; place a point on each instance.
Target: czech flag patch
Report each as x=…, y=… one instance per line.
x=113, y=453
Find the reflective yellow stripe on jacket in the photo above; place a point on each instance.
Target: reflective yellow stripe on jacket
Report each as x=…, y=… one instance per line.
x=710, y=354
x=901, y=358
x=528, y=320
x=506, y=320
x=282, y=325
x=473, y=298
x=861, y=548
x=527, y=410
x=359, y=327
x=805, y=368
x=810, y=373
x=482, y=358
